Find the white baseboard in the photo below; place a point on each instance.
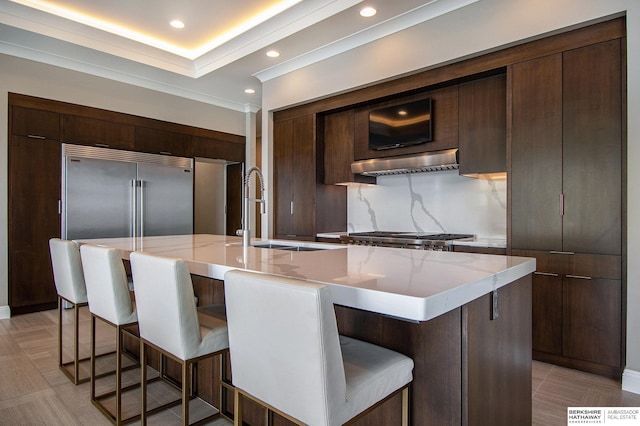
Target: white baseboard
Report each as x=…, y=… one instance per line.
x=631, y=381
x=5, y=312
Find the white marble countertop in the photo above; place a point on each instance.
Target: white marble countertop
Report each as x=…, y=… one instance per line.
x=414, y=285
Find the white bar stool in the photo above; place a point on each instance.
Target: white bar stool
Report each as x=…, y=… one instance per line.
x=70, y=286
x=286, y=354
x=109, y=300
x=170, y=322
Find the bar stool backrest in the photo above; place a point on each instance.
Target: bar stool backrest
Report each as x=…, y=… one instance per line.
x=284, y=345
x=67, y=270
x=107, y=285
x=167, y=313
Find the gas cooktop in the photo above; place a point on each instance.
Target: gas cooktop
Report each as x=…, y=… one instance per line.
x=420, y=240
x=414, y=235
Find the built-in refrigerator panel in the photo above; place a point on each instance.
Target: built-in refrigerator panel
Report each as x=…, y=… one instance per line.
x=165, y=199
x=114, y=193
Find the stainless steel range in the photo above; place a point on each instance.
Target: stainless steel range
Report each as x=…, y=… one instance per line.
x=420, y=241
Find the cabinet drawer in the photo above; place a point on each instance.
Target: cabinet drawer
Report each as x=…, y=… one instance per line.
x=578, y=264
x=482, y=250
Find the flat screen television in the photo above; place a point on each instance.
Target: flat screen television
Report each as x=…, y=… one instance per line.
x=400, y=125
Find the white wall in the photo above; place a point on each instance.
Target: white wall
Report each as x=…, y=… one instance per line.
x=210, y=197
x=35, y=79
x=483, y=26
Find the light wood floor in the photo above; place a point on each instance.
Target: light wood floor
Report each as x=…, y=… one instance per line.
x=33, y=391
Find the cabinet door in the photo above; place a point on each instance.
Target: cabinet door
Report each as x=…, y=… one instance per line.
x=304, y=176
x=218, y=149
x=482, y=112
x=34, y=192
x=547, y=312
x=35, y=123
x=295, y=177
x=164, y=142
x=338, y=147
x=591, y=320
x=91, y=131
x=283, y=177
x=536, y=154
x=592, y=154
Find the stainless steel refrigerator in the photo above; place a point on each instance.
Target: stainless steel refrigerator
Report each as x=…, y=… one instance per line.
x=114, y=193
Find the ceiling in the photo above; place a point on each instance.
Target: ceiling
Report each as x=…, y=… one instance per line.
x=219, y=53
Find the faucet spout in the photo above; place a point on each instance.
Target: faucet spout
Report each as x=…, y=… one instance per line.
x=246, y=232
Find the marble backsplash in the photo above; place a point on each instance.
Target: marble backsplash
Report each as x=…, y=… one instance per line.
x=430, y=202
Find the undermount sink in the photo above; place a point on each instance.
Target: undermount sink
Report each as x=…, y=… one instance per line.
x=285, y=247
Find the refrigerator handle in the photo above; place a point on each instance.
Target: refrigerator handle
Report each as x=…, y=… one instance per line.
x=134, y=209
x=141, y=184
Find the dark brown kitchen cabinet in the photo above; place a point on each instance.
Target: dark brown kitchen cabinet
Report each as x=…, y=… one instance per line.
x=536, y=154
x=460, y=248
x=337, y=140
x=35, y=123
x=566, y=202
x=482, y=120
x=294, y=164
x=79, y=130
x=577, y=305
x=592, y=149
x=567, y=151
x=303, y=205
x=33, y=218
x=338, y=135
x=158, y=141
x=207, y=147
x=591, y=313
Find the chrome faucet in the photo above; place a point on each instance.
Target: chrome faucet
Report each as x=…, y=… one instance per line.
x=246, y=233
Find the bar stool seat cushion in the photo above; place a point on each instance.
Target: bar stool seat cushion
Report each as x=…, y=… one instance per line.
x=372, y=373
x=213, y=329
x=212, y=318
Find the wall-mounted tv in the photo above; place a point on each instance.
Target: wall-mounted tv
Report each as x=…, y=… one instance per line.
x=400, y=125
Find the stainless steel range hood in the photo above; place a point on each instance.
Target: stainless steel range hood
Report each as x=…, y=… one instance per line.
x=419, y=163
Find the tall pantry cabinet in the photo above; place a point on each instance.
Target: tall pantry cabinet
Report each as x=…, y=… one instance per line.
x=295, y=177
x=304, y=206
x=33, y=208
x=566, y=201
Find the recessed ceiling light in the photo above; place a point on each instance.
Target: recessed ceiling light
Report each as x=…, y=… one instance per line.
x=273, y=53
x=368, y=12
x=176, y=23
x=249, y=91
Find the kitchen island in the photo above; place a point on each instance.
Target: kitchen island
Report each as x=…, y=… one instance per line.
x=464, y=318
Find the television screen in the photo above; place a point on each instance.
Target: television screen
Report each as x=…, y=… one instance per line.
x=400, y=125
